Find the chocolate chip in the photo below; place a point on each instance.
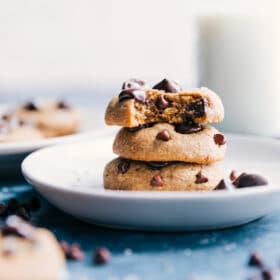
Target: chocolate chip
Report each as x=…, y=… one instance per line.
x=101, y=256
x=157, y=181
x=267, y=274
x=137, y=94
x=157, y=165
x=219, y=139
x=3, y=209
x=72, y=251
x=23, y=213
x=255, y=260
x=8, y=247
x=233, y=175
x=188, y=128
x=163, y=135
x=133, y=83
x=30, y=106
x=14, y=225
x=200, y=179
x=63, y=105
x=134, y=129
x=34, y=204
x=249, y=180
x=13, y=204
x=221, y=186
x=161, y=102
x=168, y=86
x=196, y=109
x=123, y=166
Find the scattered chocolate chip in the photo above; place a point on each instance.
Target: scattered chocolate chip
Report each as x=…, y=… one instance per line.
x=219, y=139
x=63, y=105
x=30, y=106
x=188, y=128
x=134, y=129
x=196, y=109
x=3, y=209
x=200, y=179
x=15, y=225
x=157, y=181
x=101, y=256
x=8, y=247
x=233, y=175
x=6, y=117
x=249, y=180
x=168, y=86
x=34, y=204
x=23, y=213
x=21, y=122
x=137, y=94
x=161, y=102
x=133, y=83
x=72, y=251
x=267, y=274
x=157, y=165
x=163, y=135
x=255, y=260
x=123, y=166
x=13, y=204
x=221, y=186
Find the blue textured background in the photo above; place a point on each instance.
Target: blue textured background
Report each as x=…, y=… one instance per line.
x=137, y=255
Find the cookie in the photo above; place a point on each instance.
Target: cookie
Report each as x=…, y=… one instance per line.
x=29, y=254
x=123, y=174
x=13, y=130
x=167, y=142
x=136, y=107
x=52, y=118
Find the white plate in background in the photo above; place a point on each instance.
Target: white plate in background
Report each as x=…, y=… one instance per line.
x=70, y=177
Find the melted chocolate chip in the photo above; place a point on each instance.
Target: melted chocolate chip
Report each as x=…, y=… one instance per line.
x=163, y=135
x=23, y=213
x=221, y=186
x=14, y=225
x=134, y=83
x=188, y=128
x=101, y=256
x=137, y=94
x=233, y=175
x=168, y=86
x=63, y=105
x=30, y=106
x=133, y=129
x=255, y=260
x=161, y=102
x=200, y=179
x=196, y=109
x=219, y=139
x=123, y=166
x=249, y=180
x=157, y=165
x=157, y=181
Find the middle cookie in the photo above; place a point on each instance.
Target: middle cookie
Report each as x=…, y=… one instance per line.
x=166, y=142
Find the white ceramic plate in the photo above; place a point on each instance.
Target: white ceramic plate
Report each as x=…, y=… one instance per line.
x=70, y=177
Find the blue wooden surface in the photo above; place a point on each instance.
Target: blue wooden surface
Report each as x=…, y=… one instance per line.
x=137, y=255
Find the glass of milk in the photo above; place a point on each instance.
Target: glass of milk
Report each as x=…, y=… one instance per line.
x=239, y=58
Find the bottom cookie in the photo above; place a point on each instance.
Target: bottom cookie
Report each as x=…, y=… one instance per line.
x=123, y=174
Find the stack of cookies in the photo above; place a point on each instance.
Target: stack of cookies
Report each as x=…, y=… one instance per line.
x=164, y=143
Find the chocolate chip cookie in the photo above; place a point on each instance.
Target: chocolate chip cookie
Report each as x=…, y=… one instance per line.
x=124, y=174
x=166, y=142
x=139, y=106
